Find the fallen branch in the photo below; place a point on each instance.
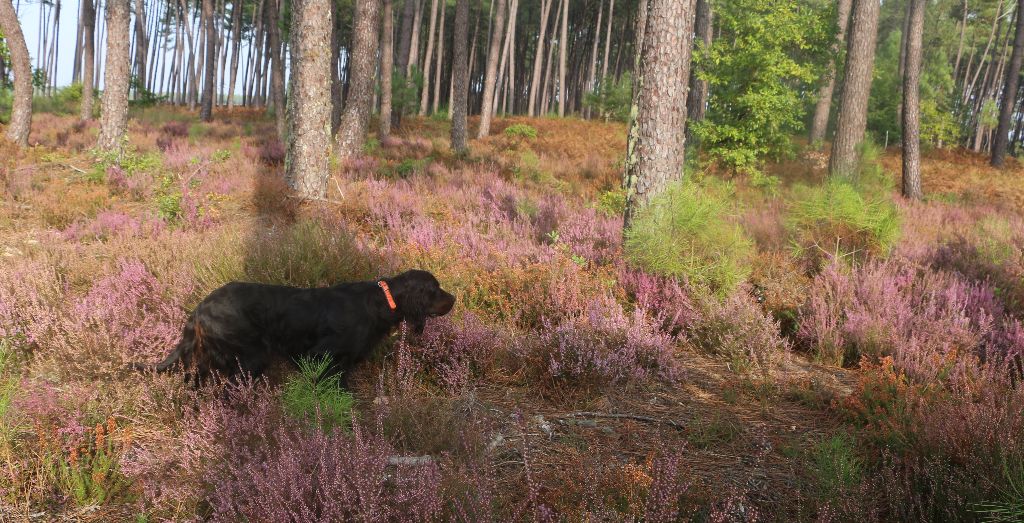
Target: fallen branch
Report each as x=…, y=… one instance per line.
x=410, y=460
x=635, y=417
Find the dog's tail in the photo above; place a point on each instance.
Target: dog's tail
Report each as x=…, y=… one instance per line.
x=181, y=353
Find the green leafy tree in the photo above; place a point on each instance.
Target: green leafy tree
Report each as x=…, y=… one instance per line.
x=762, y=72
x=611, y=100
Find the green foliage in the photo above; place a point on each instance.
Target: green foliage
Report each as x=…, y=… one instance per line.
x=686, y=233
x=405, y=168
x=90, y=475
x=405, y=91
x=128, y=160
x=314, y=397
x=8, y=389
x=521, y=130
x=611, y=202
x=770, y=54
x=143, y=97
x=169, y=206
x=836, y=466
x=1009, y=508
x=39, y=78
x=840, y=220
x=612, y=99
x=65, y=101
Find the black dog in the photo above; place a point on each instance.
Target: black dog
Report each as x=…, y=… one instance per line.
x=247, y=326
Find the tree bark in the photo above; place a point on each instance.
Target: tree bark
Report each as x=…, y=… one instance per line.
x=309, y=110
x=697, y=100
x=210, y=62
x=822, y=108
x=141, y=44
x=656, y=142
x=911, y=102
x=88, y=58
x=425, y=94
x=440, y=61
x=460, y=78
x=563, y=47
x=387, y=66
x=277, y=62
x=236, y=45
x=607, y=39
x=1010, y=84
x=114, y=115
x=402, y=64
x=853, y=105
x=490, y=76
x=538, y=57
x=960, y=46
x=355, y=119
x=21, y=65
x=414, y=39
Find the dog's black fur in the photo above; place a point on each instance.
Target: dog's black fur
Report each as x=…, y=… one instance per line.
x=247, y=326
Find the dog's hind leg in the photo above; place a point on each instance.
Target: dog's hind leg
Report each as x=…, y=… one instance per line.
x=182, y=352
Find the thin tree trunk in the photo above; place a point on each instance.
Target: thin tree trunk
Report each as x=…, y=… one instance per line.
x=563, y=47
x=210, y=62
x=76, y=68
x=355, y=119
x=414, y=39
x=440, y=61
x=460, y=78
x=697, y=100
x=592, y=74
x=402, y=65
x=309, y=110
x=114, y=115
x=546, y=90
x=656, y=142
x=607, y=39
x=236, y=45
x=538, y=58
x=387, y=65
x=822, y=108
x=911, y=102
x=277, y=62
x=984, y=55
x=960, y=46
x=1002, y=137
x=88, y=58
x=853, y=105
x=490, y=76
x=141, y=44
x=21, y=65
x=425, y=94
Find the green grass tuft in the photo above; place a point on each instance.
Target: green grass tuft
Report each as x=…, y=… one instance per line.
x=312, y=397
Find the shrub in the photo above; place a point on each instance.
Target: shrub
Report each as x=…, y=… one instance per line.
x=839, y=222
x=739, y=330
x=686, y=233
x=611, y=100
x=90, y=473
x=312, y=396
x=521, y=130
x=836, y=467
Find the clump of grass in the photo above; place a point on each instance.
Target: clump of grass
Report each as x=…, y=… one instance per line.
x=836, y=466
x=841, y=221
x=313, y=396
x=521, y=131
x=686, y=233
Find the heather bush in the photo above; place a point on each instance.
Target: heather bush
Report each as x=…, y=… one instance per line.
x=837, y=221
x=451, y=353
x=666, y=299
x=685, y=233
x=606, y=345
x=312, y=396
x=738, y=330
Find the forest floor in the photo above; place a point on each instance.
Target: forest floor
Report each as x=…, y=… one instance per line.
x=101, y=257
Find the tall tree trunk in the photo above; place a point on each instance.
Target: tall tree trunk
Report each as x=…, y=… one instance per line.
x=984, y=55
x=901, y=65
x=563, y=47
x=538, y=57
x=425, y=94
x=277, y=62
x=236, y=45
x=819, y=125
x=460, y=77
x=607, y=39
x=414, y=39
x=209, y=80
x=141, y=44
x=911, y=102
x=546, y=90
x=404, y=42
x=487, y=103
x=592, y=72
x=440, y=61
x=853, y=105
x=960, y=46
x=309, y=109
x=21, y=65
x=1002, y=137
x=88, y=58
x=696, y=102
x=114, y=115
x=387, y=66
x=656, y=143
x=337, y=87
x=355, y=119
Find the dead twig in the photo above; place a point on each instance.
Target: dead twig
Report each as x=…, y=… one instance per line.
x=611, y=415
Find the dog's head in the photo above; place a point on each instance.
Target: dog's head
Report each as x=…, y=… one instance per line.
x=419, y=296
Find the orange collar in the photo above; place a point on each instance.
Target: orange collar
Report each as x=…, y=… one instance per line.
x=387, y=294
